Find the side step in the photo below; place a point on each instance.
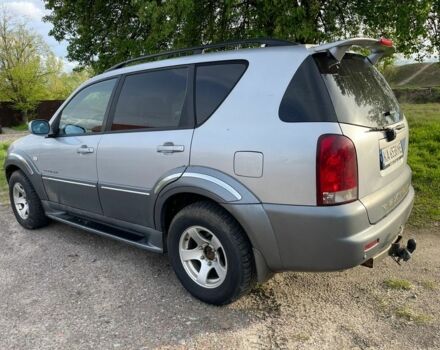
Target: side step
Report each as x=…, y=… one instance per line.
x=136, y=240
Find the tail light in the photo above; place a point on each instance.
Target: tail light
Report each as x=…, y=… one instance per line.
x=336, y=170
x=386, y=42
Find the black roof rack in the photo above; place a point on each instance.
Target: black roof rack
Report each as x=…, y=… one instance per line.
x=202, y=48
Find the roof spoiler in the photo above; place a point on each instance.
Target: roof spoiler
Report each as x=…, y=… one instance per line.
x=379, y=48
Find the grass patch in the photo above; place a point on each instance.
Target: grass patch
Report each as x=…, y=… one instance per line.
x=395, y=283
x=424, y=159
x=409, y=314
x=4, y=196
x=431, y=285
x=21, y=127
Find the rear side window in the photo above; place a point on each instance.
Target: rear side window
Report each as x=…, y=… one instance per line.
x=214, y=82
x=306, y=98
x=360, y=94
x=153, y=100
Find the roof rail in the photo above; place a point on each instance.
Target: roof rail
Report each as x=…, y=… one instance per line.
x=202, y=48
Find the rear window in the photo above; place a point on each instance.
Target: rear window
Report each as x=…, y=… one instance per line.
x=214, y=82
x=360, y=94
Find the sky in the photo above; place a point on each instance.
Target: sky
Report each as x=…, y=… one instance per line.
x=32, y=11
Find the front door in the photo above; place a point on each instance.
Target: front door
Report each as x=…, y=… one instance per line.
x=150, y=134
x=68, y=161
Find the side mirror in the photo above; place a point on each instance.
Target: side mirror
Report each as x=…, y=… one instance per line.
x=71, y=129
x=39, y=127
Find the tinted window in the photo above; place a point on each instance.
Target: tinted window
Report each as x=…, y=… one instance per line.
x=86, y=110
x=306, y=98
x=153, y=100
x=214, y=82
x=359, y=92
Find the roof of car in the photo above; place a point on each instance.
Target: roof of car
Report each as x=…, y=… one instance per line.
x=236, y=54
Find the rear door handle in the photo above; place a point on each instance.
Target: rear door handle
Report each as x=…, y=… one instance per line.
x=169, y=147
x=84, y=149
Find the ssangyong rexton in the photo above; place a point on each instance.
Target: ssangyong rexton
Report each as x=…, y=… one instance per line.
x=237, y=163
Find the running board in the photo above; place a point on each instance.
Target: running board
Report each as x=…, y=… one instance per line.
x=105, y=231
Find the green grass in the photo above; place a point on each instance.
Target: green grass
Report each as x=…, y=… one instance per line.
x=394, y=283
x=410, y=315
x=21, y=127
x=424, y=159
x=3, y=184
x=429, y=284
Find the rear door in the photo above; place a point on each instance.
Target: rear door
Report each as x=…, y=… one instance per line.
x=149, y=133
x=365, y=107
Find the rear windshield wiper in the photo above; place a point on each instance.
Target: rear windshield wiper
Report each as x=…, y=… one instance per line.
x=385, y=128
x=390, y=133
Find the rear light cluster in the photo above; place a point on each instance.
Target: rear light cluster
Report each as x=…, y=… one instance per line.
x=336, y=170
x=386, y=42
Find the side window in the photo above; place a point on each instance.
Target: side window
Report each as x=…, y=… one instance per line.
x=85, y=112
x=214, y=82
x=306, y=98
x=153, y=100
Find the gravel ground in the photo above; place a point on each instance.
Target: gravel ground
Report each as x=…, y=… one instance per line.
x=9, y=135
x=64, y=288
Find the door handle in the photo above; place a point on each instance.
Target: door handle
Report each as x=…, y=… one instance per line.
x=169, y=147
x=84, y=149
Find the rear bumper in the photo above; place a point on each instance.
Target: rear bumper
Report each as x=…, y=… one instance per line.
x=331, y=238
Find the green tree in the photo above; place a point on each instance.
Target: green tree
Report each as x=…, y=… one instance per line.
x=101, y=33
x=433, y=28
x=25, y=63
x=61, y=84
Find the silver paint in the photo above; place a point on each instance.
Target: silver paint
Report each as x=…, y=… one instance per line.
x=126, y=191
x=68, y=182
x=249, y=164
x=286, y=226
x=165, y=181
x=216, y=181
x=200, y=251
x=20, y=200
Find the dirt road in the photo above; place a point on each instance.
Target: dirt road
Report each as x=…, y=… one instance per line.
x=64, y=288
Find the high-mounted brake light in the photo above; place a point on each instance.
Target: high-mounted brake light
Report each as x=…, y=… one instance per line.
x=386, y=42
x=336, y=170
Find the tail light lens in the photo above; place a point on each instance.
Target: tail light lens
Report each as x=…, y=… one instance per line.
x=386, y=42
x=336, y=170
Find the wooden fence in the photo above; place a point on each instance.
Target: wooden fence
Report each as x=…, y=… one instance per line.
x=11, y=117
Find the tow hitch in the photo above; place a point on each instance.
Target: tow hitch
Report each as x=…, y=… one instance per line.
x=398, y=252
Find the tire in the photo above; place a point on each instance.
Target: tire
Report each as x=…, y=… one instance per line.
x=223, y=269
x=22, y=195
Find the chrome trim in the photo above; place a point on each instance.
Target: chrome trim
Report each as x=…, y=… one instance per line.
x=122, y=190
x=21, y=158
x=68, y=182
x=165, y=181
x=218, y=182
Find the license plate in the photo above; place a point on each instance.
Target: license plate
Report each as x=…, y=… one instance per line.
x=390, y=155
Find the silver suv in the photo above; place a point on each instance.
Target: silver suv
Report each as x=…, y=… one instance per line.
x=238, y=163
